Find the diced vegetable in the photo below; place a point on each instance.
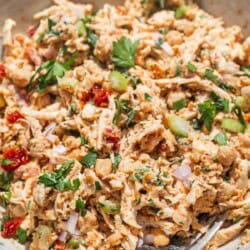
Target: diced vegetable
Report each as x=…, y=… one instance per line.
x=74, y=243
x=232, y=125
x=80, y=25
x=241, y=102
x=2, y=102
x=221, y=139
x=67, y=83
x=118, y=81
x=191, y=67
x=10, y=227
x=181, y=11
x=110, y=207
x=178, y=125
x=180, y=104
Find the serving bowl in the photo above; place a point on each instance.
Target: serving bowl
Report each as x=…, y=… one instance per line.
x=233, y=12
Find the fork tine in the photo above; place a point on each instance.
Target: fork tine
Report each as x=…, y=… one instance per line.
x=202, y=242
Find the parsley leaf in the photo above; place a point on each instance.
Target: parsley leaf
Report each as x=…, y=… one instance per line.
x=53, y=70
x=181, y=11
x=89, y=159
x=6, y=162
x=208, y=112
x=5, y=180
x=159, y=43
x=147, y=97
x=98, y=185
x=180, y=104
x=221, y=139
x=21, y=235
x=81, y=206
x=123, y=107
x=123, y=54
x=116, y=160
x=51, y=24
x=191, y=67
x=83, y=140
x=57, y=179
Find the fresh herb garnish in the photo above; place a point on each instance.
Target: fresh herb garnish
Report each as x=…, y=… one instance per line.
x=159, y=43
x=164, y=31
x=209, y=74
x=207, y=170
x=21, y=235
x=196, y=124
x=116, y=160
x=208, y=112
x=5, y=180
x=221, y=139
x=98, y=185
x=6, y=162
x=180, y=104
x=72, y=109
x=246, y=70
x=122, y=107
x=221, y=104
x=53, y=70
x=147, y=97
x=191, y=67
x=238, y=112
x=57, y=179
x=237, y=219
x=51, y=24
x=5, y=198
x=81, y=206
x=123, y=54
x=83, y=140
x=89, y=159
x=178, y=71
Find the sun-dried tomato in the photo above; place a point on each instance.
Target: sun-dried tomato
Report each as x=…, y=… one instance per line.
x=85, y=97
x=100, y=96
x=2, y=71
x=59, y=245
x=12, y=117
x=10, y=227
x=112, y=137
x=13, y=158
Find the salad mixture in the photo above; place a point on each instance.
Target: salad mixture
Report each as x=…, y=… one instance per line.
x=125, y=126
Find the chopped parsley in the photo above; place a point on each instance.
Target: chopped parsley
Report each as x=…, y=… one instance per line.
x=122, y=107
x=237, y=219
x=57, y=180
x=180, y=104
x=83, y=140
x=221, y=104
x=116, y=160
x=191, y=67
x=72, y=109
x=6, y=162
x=164, y=31
x=53, y=70
x=207, y=170
x=21, y=235
x=246, y=70
x=5, y=198
x=208, y=112
x=81, y=206
x=89, y=159
x=5, y=180
x=221, y=139
x=196, y=124
x=178, y=71
x=209, y=74
x=98, y=185
x=238, y=113
x=159, y=43
x=123, y=54
x=147, y=97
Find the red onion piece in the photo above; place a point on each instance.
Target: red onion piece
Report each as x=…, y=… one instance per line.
x=71, y=223
x=63, y=236
x=182, y=172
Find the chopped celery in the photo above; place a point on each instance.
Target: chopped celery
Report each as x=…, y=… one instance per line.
x=181, y=11
x=74, y=243
x=118, y=81
x=232, y=125
x=2, y=101
x=247, y=130
x=67, y=83
x=81, y=28
x=241, y=102
x=110, y=207
x=178, y=126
